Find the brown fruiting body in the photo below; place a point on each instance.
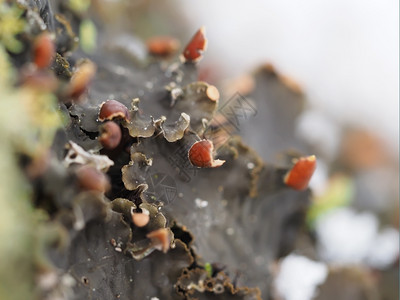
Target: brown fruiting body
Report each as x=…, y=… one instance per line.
x=110, y=135
x=162, y=45
x=201, y=155
x=81, y=79
x=112, y=109
x=161, y=237
x=212, y=93
x=92, y=179
x=43, y=50
x=195, y=48
x=140, y=219
x=300, y=174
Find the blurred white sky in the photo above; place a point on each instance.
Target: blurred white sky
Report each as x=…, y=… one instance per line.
x=345, y=53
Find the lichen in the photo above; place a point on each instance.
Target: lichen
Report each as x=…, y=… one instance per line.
x=150, y=232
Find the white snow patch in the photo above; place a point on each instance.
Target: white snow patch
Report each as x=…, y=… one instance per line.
x=385, y=249
x=299, y=277
x=344, y=236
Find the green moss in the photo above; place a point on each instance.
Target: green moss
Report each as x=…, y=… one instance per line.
x=87, y=36
x=11, y=24
x=79, y=5
x=208, y=269
x=27, y=126
x=339, y=193
x=7, y=73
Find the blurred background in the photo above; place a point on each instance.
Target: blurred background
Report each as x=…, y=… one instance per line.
x=344, y=53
